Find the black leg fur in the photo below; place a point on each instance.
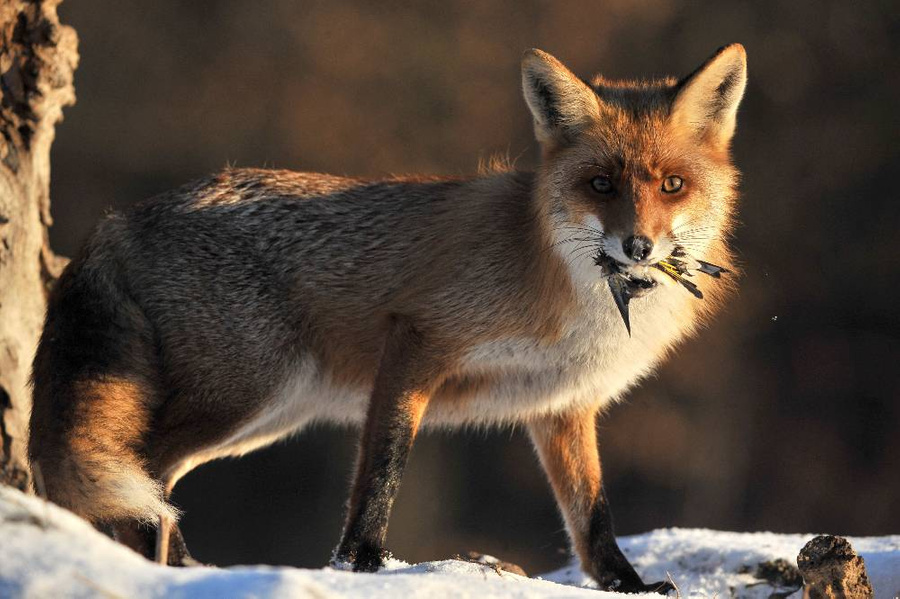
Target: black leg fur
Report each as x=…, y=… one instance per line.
x=609, y=566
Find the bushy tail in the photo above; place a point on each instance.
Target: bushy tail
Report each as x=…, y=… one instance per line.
x=93, y=399
x=93, y=468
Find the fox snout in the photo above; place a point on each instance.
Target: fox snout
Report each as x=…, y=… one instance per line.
x=631, y=248
x=637, y=247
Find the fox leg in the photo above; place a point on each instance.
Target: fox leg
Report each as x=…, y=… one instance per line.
x=161, y=552
x=567, y=447
x=395, y=410
x=145, y=539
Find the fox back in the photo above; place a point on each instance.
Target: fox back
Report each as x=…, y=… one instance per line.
x=220, y=317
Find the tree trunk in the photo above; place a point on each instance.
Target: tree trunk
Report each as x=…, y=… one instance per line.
x=37, y=59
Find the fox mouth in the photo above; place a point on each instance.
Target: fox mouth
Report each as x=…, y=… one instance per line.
x=624, y=275
x=625, y=284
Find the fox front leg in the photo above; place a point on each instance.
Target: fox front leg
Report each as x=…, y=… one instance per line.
x=567, y=447
x=395, y=410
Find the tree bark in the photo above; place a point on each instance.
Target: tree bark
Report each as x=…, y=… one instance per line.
x=38, y=57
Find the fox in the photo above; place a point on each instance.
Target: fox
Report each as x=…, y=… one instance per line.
x=228, y=314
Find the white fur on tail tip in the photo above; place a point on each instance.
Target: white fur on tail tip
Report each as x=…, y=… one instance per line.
x=133, y=492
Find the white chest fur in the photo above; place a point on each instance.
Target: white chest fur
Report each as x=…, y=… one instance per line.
x=592, y=364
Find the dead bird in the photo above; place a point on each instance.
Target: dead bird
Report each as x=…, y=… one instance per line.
x=678, y=266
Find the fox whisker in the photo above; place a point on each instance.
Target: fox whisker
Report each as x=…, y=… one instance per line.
x=580, y=253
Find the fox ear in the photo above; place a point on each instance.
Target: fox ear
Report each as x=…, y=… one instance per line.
x=707, y=100
x=561, y=103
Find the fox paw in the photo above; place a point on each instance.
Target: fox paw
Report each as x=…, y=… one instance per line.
x=625, y=580
x=662, y=587
x=364, y=558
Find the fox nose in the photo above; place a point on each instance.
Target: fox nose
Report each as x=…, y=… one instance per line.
x=637, y=247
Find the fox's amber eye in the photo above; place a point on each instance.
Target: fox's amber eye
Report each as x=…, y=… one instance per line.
x=672, y=184
x=602, y=184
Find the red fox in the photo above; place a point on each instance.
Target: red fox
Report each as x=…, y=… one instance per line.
x=220, y=317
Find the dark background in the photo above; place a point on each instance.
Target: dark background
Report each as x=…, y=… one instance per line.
x=783, y=415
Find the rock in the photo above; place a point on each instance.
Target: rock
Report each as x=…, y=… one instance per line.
x=832, y=570
x=782, y=575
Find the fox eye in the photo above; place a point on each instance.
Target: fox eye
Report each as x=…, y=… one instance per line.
x=602, y=184
x=672, y=184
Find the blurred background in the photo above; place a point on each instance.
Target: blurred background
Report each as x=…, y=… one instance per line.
x=784, y=415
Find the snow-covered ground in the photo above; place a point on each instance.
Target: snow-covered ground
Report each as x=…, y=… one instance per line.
x=48, y=552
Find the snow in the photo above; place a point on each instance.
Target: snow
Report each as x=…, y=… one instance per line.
x=48, y=552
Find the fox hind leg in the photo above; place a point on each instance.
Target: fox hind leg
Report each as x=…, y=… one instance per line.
x=144, y=538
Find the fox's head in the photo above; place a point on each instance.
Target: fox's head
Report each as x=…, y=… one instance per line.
x=636, y=170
